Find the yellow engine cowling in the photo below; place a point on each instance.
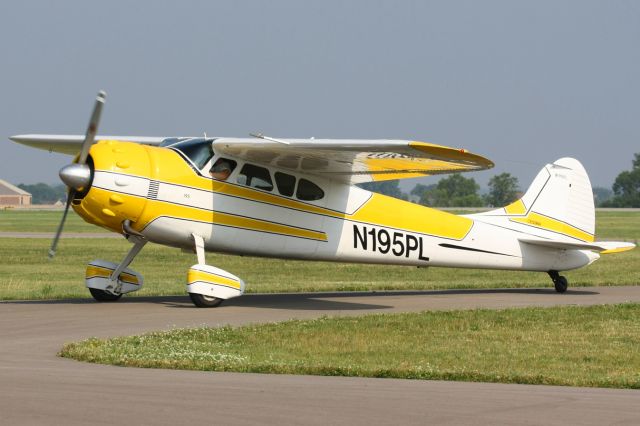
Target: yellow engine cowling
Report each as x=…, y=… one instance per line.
x=126, y=165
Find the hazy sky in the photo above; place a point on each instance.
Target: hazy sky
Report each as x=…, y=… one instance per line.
x=522, y=83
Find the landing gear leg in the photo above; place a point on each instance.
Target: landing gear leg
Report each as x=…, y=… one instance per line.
x=201, y=300
x=207, y=285
x=108, y=281
x=133, y=252
x=559, y=281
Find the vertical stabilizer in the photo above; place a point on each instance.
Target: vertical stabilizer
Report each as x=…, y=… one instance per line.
x=559, y=204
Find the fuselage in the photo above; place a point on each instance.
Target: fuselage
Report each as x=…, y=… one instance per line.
x=168, y=195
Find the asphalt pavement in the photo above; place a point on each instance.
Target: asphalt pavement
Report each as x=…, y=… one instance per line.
x=37, y=387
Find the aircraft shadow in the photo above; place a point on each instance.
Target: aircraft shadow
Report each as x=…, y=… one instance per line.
x=311, y=301
x=293, y=301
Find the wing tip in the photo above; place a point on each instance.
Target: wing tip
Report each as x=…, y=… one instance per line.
x=18, y=138
x=456, y=154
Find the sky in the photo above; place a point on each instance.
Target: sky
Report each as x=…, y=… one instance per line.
x=521, y=83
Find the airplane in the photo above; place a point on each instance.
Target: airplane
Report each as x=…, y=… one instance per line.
x=299, y=199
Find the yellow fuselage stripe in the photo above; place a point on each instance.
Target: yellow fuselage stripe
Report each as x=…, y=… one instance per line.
x=157, y=208
x=550, y=224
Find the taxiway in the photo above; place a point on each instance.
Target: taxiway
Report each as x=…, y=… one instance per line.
x=37, y=387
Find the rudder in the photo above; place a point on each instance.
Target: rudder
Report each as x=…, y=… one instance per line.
x=559, y=200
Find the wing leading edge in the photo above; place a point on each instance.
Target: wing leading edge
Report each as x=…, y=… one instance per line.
x=70, y=144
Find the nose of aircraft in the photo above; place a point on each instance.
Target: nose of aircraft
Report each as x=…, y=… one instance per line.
x=118, y=192
x=76, y=176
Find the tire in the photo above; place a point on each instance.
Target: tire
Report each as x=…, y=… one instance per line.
x=104, y=296
x=561, y=284
x=202, y=301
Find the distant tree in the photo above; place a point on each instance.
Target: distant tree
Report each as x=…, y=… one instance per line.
x=503, y=190
x=453, y=191
x=416, y=193
x=627, y=187
x=601, y=195
x=45, y=194
x=386, y=187
x=419, y=189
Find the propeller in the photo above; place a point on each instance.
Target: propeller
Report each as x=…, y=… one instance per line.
x=77, y=175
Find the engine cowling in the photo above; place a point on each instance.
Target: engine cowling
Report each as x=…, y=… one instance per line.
x=119, y=187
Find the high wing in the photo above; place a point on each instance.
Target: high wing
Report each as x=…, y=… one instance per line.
x=71, y=144
x=351, y=161
x=354, y=161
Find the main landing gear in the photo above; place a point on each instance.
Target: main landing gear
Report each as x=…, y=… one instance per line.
x=108, y=281
x=559, y=281
x=207, y=285
x=103, y=295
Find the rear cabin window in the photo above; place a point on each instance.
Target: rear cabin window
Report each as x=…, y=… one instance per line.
x=285, y=183
x=255, y=177
x=308, y=191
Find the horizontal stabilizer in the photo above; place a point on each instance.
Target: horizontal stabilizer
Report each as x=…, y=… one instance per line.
x=603, y=247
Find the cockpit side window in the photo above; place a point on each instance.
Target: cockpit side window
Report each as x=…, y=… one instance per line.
x=198, y=150
x=308, y=191
x=255, y=177
x=222, y=168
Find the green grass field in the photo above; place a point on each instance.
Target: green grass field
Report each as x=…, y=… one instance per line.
x=579, y=346
x=27, y=274
x=622, y=225
x=42, y=221
x=609, y=225
x=574, y=346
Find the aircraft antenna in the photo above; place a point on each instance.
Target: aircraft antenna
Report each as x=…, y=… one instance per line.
x=267, y=138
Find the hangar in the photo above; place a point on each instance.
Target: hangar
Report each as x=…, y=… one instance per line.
x=12, y=196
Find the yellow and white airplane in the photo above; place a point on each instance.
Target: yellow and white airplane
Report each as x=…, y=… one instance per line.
x=297, y=199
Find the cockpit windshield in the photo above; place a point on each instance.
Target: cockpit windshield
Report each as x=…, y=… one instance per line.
x=198, y=150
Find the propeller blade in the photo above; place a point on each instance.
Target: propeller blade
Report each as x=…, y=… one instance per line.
x=54, y=244
x=90, y=136
x=77, y=176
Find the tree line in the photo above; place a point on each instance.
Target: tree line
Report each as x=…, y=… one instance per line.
x=41, y=193
x=458, y=191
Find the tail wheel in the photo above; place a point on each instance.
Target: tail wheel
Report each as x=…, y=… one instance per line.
x=559, y=282
x=202, y=301
x=104, y=296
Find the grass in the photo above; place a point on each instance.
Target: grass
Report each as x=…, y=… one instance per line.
x=42, y=221
x=609, y=225
x=623, y=225
x=596, y=346
x=27, y=274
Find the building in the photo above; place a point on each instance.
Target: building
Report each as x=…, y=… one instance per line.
x=12, y=196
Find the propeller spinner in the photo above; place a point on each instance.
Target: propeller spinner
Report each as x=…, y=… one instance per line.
x=77, y=176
